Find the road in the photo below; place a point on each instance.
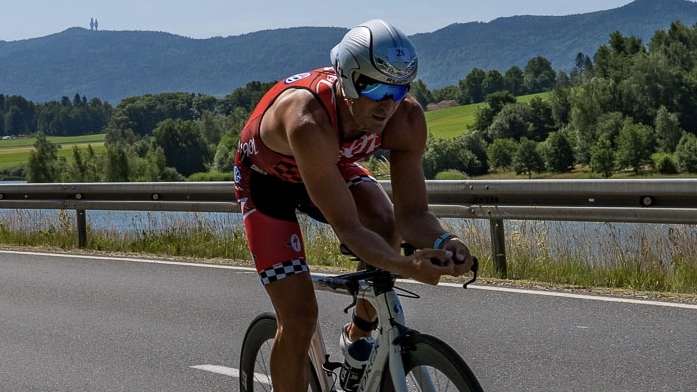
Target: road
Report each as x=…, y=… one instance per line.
x=73, y=323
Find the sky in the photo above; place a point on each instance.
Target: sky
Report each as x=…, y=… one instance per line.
x=209, y=18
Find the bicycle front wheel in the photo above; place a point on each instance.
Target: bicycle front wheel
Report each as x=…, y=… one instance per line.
x=431, y=365
x=255, y=360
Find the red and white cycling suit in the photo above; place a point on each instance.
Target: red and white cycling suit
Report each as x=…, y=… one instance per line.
x=269, y=187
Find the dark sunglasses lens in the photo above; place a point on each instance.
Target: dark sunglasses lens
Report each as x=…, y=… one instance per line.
x=380, y=91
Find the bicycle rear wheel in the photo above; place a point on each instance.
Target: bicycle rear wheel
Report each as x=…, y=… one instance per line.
x=431, y=365
x=255, y=360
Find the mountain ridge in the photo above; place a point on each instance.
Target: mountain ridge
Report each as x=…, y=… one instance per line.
x=116, y=64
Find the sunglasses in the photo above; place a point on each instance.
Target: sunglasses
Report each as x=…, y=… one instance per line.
x=377, y=91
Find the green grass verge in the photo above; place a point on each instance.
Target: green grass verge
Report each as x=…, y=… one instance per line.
x=662, y=262
x=454, y=121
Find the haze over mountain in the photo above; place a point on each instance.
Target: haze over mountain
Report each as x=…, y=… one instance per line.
x=116, y=64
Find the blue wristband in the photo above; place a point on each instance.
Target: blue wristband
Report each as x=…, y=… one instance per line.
x=442, y=239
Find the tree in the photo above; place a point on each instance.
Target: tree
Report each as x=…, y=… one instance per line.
x=588, y=103
x=527, y=159
x=686, y=153
x=512, y=122
x=501, y=153
x=557, y=153
x=603, y=157
x=223, y=158
x=668, y=131
x=92, y=165
x=116, y=167
x=561, y=107
x=634, y=145
x=156, y=163
x=78, y=170
x=583, y=69
x=14, y=121
x=246, y=97
x=513, y=81
x=447, y=93
x=42, y=165
x=211, y=128
x=492, y=83
x=610, y=125
x=471, y=87
x=183, y=145
x=495, y=102
x=421, y=93
x=539, y=75
x=541, y=119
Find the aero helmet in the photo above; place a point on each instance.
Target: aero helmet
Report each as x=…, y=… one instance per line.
x=375, y=49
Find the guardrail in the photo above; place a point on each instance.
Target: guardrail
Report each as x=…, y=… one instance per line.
x=640, y=201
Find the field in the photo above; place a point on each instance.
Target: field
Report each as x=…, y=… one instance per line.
x=15, y=152
x=454, y=121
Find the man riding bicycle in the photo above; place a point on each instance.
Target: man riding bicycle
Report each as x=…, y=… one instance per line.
x=299, y=151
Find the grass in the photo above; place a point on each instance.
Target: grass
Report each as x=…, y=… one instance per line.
x=29, y=141
x=661, y=258
x=15, y=152
x=454, y=121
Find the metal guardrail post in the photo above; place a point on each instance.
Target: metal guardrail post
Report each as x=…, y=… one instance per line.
x=498, y=246
x=81, y=228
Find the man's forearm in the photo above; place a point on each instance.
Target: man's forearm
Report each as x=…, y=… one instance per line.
x=419, y=229
x=372, y=248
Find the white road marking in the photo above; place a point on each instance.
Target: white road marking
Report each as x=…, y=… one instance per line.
x=457, y=285
x=232, y=372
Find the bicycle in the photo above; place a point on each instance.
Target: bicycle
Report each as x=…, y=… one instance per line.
x=402, y=359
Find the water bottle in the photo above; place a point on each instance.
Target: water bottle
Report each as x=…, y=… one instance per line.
x=355, y=361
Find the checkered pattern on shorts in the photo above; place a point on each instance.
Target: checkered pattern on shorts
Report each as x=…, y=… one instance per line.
x=283, y=270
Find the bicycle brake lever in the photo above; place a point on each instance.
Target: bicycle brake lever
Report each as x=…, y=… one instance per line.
x=475, y=268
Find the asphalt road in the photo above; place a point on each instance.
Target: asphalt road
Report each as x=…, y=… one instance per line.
x=80, y=324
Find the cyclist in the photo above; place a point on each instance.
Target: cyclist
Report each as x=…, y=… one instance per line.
x=299, y=151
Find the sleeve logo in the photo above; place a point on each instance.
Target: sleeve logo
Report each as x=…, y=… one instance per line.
x=295, y=78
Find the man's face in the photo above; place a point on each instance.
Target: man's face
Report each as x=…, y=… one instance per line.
x=373, y=116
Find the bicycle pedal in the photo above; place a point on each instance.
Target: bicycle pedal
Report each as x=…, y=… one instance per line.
x=330, y=367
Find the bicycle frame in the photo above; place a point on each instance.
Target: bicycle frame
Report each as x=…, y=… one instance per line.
x=391, y=323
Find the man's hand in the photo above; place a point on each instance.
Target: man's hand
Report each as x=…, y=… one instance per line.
x=461, y=256
x=427, y=265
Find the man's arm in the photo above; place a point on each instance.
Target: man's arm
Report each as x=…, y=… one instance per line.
x=407, y=142
x=314, y=143
x=417, y=225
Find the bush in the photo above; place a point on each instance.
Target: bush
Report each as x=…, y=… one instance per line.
x=603, y=156
x=501, y=153
x=527, y=159
x=664, y=163
x=686, y=153
x=451, y=175
x=557, y=153
x=465, y=153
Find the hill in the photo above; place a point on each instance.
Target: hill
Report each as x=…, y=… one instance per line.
x=116, y=64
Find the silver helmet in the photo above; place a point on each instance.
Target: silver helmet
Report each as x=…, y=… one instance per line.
x=375, y=49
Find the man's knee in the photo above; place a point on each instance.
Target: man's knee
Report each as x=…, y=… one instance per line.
x=298, y=322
